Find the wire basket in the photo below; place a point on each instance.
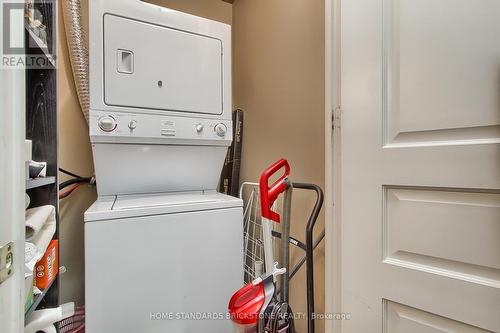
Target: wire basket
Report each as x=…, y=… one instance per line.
x=253, y=247
x=253, y=235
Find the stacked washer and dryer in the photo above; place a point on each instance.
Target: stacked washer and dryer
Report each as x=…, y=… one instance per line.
x=163, y=249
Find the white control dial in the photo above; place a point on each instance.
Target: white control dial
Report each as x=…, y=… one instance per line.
x=199, y=128
x=107, y=123
x=220, y=130
x=132, y=124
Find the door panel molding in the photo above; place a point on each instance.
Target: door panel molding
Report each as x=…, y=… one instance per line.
x=438, y=230
x=433, y=86
x=399, y=318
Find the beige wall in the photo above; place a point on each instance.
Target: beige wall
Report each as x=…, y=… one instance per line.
x=74, y=155
x=278, y=80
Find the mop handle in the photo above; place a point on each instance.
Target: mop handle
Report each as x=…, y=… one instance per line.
x=269, y=194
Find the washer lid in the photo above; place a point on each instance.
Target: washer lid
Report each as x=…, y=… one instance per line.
x=124, y=206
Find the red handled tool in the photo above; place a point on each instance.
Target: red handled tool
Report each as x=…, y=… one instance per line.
x=269, y=194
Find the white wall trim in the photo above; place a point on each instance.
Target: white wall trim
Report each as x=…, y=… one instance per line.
x=332, y=165
x=329, y=271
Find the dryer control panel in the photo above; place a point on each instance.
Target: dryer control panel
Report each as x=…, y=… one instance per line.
x=129, y=127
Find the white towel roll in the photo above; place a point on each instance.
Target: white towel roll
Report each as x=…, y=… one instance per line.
x=41, y=226
x=36, y=218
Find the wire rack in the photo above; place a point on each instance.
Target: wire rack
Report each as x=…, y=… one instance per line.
x=252, y=231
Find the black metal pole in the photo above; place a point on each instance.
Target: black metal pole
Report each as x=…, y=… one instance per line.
x=309, y=249
x=284, y=245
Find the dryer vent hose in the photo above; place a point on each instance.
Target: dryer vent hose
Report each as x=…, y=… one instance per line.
x=78, y=51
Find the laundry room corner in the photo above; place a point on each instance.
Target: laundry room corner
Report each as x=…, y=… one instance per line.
x=278, y=81
x=75, y=152
x=249, y=166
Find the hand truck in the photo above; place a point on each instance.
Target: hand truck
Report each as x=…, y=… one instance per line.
x=261, y=306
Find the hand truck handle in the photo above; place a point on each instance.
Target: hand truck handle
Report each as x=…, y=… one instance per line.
x=269, y=194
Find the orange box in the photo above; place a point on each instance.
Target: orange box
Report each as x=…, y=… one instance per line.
x=46, y=269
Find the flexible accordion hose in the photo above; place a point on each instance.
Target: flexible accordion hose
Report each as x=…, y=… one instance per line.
x=78, y=51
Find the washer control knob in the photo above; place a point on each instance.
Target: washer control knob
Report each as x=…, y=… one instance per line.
x=199, y=128
x=107, y=123
x=132, y=124
x=220, y=130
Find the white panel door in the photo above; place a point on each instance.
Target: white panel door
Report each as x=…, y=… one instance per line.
x=420, y=130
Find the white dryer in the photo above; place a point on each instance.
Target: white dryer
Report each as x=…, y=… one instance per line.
x=162, y=263
x=160, y=98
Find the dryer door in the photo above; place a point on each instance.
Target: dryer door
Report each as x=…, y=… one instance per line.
x=151, y=66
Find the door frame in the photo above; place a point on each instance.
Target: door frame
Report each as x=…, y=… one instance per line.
x=333, y=113
x=12, y=181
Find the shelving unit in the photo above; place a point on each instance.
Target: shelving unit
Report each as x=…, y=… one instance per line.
x=35, y=40
x=39, y=182
x=41, y=128
x=37, y=300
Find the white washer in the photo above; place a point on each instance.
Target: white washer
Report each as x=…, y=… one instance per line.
x=168, y=261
